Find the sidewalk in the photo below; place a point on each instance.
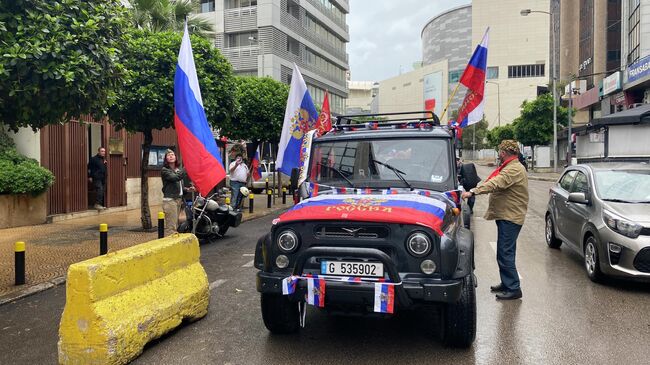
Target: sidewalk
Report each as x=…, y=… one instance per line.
x=51, y=248
x=540, y=176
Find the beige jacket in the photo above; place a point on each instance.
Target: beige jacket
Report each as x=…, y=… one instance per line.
x=508, y=194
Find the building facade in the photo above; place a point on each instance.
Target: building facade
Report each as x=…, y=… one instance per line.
x=448, y=36
x=518, y=54
x=360, y=96
x=266, y=37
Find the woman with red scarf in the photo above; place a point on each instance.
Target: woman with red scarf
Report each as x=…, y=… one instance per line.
x=508, y=203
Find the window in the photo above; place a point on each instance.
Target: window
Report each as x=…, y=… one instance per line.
x=493, y=72
x=240, y=39
x=567, y=179
x=293, y=46
x=207, y=6
x=634, y=34
x=520, y=71
x=293, y=9
x=580, y=184
x=233, y=4
x=454, y=76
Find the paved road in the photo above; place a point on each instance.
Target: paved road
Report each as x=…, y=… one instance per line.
x=563, y=318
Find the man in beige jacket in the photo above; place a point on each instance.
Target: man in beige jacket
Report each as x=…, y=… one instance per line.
x=508, y=189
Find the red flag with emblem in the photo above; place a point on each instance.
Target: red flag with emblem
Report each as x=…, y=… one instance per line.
x=325, y=120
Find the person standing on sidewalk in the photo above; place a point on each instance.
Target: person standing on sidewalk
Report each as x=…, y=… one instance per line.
x=97, y=167
x=172, y=175
x=508, y=203
x=468, y=177
x=238, y=177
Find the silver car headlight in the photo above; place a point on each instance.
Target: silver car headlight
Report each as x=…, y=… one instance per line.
x=418, y=244
x=621, y=225
x=287, y=240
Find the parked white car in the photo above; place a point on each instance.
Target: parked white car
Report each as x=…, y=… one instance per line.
x=268, y=170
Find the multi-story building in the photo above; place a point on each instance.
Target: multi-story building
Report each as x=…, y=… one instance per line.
x=360, y=97
x=448, y=36
x=266, y=37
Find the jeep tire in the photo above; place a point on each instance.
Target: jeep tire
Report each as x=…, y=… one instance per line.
x=280, y=315
x=460, y=318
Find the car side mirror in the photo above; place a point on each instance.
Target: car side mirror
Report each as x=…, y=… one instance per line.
x=295, y=174
x=579, y=198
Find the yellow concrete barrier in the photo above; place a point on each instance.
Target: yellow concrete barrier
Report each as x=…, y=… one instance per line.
x=117, y=303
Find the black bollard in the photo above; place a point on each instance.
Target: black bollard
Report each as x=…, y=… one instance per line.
x=103, y=239
x=268, y=196
x=284, y=195
x=161, y=224
x=251, y=202
x=19, y=252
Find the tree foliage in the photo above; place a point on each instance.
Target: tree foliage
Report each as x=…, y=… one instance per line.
x=60, y=59
x=22, y=175
x=534, y=126
x=145, y=102
x=481, y=131
x=498, y=134
x=261, y=106
x=169, y=15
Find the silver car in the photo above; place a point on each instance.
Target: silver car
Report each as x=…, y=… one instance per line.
x=602, y=210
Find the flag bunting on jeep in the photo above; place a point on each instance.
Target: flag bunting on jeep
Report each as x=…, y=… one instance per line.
x=316, y=291
x=401, y=209
x=289, y=284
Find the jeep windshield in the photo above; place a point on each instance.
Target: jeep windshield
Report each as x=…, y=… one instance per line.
x=422, y=163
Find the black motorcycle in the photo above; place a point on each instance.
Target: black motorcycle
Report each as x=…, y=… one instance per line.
x=211, y=220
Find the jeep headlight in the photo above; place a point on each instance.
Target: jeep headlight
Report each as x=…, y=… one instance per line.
x=287, y=240
x=621, y=225
x=418, y=244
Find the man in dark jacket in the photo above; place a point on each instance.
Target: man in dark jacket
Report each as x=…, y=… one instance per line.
x=468, y=177
x=97, y=176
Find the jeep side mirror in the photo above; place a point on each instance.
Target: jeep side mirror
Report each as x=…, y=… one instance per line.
x=295, y=174
x=579, y=198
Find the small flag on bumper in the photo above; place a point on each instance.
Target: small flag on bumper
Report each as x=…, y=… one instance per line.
x=316, y=292
x=289, y=285
x=384, y=298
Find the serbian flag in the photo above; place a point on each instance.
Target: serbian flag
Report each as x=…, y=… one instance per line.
x=255, y=166
x=471, y=111
x=300, y=117
x=197, y=145
x=325, y=117
x=384, y=298
x=316, y=292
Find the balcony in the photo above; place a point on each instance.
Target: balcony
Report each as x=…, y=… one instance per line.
x=242, y=58
x=296, y=26
x=329, y=15
x=240, y=19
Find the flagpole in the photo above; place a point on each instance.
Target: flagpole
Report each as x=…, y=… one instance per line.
x=449, y=101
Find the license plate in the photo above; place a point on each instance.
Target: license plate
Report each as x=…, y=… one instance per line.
x=352, y=268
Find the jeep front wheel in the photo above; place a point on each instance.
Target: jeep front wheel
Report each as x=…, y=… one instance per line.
x=279, y=314
x=460, y=318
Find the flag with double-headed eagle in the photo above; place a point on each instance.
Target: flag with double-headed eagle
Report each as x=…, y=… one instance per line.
x=325, y=117
x=300, y=117
x=316, y=291
x=384, y=298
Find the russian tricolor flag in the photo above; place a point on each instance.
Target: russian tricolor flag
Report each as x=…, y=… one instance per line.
x=384, y=298
x=289, y=285
x=255, y=166
x=299, y=118
x=316, y=291
x=471, y=111
x=200, y=153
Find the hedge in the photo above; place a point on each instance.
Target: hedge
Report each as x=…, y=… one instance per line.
x=22, y=175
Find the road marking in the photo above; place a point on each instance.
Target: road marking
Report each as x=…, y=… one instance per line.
x=248, y=264
x=216, y=283
x=494, y=248
x=248, y=255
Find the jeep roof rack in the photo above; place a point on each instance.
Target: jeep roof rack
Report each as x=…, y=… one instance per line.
x=390, y=119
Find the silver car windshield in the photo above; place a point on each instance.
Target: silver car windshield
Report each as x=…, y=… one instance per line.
x=625, y=185
x=423, y=163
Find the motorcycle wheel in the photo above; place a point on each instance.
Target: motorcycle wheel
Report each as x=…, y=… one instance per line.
x=185, y=227
x=223, y=230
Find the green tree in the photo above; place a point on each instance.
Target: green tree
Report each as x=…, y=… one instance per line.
x=145, y=101
x=481, y=131
x=169, y=15
x=262, y=103
x=59, y=59
x=498, y=134
x=535, y=124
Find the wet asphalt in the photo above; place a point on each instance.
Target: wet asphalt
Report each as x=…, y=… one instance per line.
x=563, y=317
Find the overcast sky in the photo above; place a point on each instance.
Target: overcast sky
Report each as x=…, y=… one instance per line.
x=385, y=34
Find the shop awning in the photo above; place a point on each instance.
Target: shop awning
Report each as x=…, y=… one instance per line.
x=636, y=115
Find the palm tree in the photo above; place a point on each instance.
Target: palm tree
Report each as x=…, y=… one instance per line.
x=166, y=15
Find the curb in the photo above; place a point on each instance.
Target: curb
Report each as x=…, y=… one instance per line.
x=541, y=178
x=37, y=288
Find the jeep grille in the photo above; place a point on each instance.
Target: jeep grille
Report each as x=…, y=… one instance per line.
x=351, y=231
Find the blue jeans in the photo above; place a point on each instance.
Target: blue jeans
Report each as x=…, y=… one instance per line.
x=506, y=250
x=236, y=198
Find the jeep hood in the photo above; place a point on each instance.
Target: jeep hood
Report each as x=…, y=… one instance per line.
x=427, y=211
